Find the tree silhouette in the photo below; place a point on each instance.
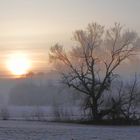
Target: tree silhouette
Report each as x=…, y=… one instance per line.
x=90, y=66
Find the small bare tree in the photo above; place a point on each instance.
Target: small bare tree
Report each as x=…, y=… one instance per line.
x=37, y=114
x=125, y=103
x=91, y=65
x=130, y=100
x=4, y=113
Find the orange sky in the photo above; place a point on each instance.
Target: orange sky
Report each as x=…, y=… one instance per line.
x=32, y=26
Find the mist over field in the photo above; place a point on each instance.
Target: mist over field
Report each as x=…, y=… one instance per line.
x=69, y=70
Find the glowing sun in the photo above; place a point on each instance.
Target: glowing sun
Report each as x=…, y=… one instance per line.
x=18, y=63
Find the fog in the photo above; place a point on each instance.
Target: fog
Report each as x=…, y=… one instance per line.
x=43, y=89
x=38, y=90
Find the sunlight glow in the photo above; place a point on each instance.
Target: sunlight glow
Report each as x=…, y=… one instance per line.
x=18, y=63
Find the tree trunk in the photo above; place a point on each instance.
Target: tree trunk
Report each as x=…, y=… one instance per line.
x=94, y=109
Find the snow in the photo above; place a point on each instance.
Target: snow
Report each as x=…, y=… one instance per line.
x=27, y=130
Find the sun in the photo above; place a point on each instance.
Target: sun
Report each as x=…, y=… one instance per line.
x=18, y=63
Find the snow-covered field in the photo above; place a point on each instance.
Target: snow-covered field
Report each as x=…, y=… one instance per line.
x=20, y=130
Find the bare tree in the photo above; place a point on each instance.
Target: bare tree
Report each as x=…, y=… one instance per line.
x=90, y=66
x=4, y=113
x=38, y=114
x=131, y=100
x=124, y=104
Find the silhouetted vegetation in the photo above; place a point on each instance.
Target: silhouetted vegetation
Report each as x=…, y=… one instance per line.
x=90, y=69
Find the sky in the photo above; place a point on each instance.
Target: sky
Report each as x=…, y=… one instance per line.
x=32, y=26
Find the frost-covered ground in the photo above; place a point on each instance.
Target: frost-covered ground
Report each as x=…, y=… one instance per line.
x=19, y=130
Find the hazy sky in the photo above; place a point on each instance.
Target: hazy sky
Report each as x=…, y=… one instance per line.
x=34, y=25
